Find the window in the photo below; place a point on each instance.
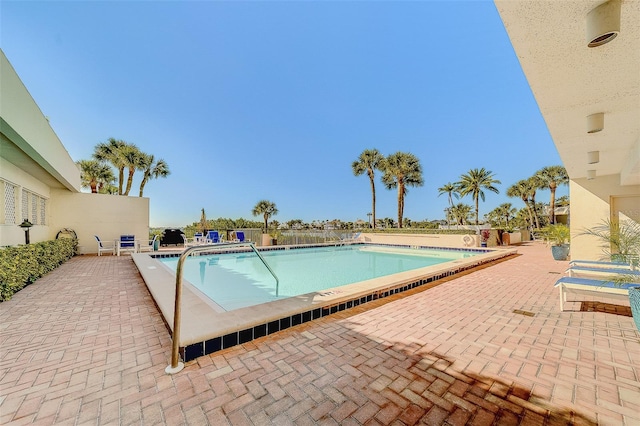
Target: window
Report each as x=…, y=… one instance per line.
x=9, y=193
x=34, y=208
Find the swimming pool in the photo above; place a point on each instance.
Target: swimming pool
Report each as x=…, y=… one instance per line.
x=207, y=327
x=237, y=280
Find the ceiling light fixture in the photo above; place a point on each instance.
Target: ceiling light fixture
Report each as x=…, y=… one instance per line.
x=603, y=23
x=591, y=174
x=593, y=157
x=595, y=122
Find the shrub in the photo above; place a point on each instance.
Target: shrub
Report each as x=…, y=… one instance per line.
x=24, y=264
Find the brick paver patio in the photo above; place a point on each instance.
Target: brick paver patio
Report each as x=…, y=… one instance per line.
x=86, y=345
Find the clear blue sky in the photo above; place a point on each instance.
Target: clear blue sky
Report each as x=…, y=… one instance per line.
x=274, y=100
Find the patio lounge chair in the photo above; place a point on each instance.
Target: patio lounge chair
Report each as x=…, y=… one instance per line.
x=127, y=243
x=350, y=238
x=213, y=237
x=599, y=264
x=105, y=247
x=591, y=287
x=592, y=270
x=189, y=242
x=198, y=238
x=240, y=238
x=149, y=246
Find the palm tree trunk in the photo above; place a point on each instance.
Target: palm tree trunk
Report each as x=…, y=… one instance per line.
x=373, y=202
x=477, y=208
x=552, y=204
x=129, y=180
x=142, y=184
x=120, y=179
x=535, y=213
x=145, y=178
x=526, y=203
x=400, y=197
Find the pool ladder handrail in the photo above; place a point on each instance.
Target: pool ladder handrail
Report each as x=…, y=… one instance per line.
x=176, y=366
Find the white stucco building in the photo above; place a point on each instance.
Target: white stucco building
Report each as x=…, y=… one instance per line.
x=39, y=181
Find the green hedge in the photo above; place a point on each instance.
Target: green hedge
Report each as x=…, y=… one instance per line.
x=22, y=265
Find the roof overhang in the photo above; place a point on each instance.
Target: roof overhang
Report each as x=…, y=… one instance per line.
x=571, y=81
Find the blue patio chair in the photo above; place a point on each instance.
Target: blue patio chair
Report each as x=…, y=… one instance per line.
x=213, y=237
x=105, y=247
x=198, y=238
x=127, y=243
x=240, y=237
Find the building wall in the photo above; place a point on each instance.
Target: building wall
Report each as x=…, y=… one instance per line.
x=594, y=201
x=107, y=216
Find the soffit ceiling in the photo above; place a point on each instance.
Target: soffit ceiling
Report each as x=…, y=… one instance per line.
x=571, y=81
x=11, y=153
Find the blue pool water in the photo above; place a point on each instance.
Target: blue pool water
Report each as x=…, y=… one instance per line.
x=237, y=280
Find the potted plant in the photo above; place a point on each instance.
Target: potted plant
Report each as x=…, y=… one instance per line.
x=484, y=236
x=621, y=243
x=557, y=235
x=267, y=209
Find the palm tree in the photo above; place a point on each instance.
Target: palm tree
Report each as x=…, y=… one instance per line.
x=133, y=159
x=368, y=162
x=551, y=177
x=451, y=190
x=522, y=189
x=266, y=209
x=152, y=170
x=202, y=226
x=461, y=213
x=111, y=152
x=474, y=182
x=402, y=169
x=506, y=211
x=94, y=175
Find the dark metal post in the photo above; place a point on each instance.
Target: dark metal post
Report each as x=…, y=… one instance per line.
x=26, y=225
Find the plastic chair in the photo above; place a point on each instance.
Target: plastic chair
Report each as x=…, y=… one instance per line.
x=240, y=237
x=150, y=246
x=127, y=243
x=213, y=237
x=104, y=247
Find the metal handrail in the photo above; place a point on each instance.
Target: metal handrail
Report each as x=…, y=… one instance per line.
x=177, y=366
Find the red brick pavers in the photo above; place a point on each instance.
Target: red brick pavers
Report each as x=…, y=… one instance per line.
x=86, y=345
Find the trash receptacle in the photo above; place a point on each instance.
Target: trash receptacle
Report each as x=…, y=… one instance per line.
x=156, y=244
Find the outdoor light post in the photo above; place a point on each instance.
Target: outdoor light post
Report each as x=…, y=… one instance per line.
x=369, y=215
x=26, y=225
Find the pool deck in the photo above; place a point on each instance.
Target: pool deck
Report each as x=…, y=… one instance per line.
x=86, y=344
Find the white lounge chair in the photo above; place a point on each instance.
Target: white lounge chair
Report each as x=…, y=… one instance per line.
x=594, y=270
x=599, y=264
x=149, y=245
x=105, y=246
x=591, y=287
